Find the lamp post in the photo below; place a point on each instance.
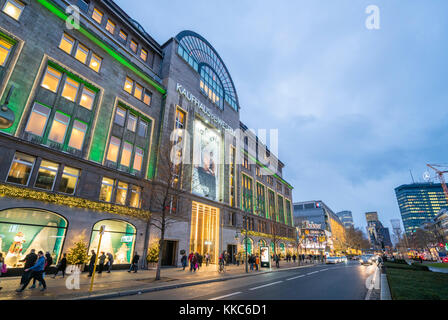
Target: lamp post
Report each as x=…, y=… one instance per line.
x=7, y=115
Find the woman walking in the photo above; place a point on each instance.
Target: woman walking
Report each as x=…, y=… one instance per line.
x=62, y=265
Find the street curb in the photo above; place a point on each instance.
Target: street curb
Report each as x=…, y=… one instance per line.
x=176, y=286
x=385, y=291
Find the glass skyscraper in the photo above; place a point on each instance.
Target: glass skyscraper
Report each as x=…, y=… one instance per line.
x=419, y=202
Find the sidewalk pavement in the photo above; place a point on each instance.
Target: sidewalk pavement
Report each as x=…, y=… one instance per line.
x=122, y=283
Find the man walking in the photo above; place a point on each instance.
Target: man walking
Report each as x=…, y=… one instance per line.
x=29, y=260
x=134, y=263
x=110, y=261
x=36, y=273
x=102, y=260
x=92, y=263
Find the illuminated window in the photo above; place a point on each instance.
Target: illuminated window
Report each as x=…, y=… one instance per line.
x=107, y=187
x=59, y=127
x=87, y=98
x=126, y=154
x=122, y=192
x=114, y=149
x=13, y=8
x=110, y=26
x=47, y=175
x=144, y=55
x=70, y=90
x=95, y=63
x=134, y=46
x=128, y=85
x=38, y=119
x=247, y=193
x=69, y=180
x=123, y=35
x=135, y=201
x=5, y=50
x=232, y=177
x=51, y=79
x=211, y=86
x=147, y=98
x=78, y=134
x=261, y=203
x=138, y=91
x=142, y=128
x=120, y=116
x=180, y=119
x=97, y=15
x=138, y=159
x=67, y=43
x=132, y=123
x=81, y=53
x=21, y=168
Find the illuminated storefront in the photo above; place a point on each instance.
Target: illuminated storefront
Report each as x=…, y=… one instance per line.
x=118, y=239
x=24, y=229
x=204, y=235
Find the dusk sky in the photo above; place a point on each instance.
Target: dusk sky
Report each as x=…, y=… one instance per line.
x=356, y=109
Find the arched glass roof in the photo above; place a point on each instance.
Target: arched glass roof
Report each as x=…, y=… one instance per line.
x=204, y=54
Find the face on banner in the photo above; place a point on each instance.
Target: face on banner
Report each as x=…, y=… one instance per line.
x=207, y=146
x=265, y=254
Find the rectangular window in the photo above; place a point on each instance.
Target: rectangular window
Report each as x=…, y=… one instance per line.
x=13, y=8
x=87, y=98
x=114, y=149
x=51, y=79
x=69, y=180
x=67, y=43
x=144, y=55
x=232, y=177
x=247, y=194
x=261, y=204
x=38, y=120
x=5, y=50
x=280, y=206
x=122, y=192
x=132, y=123
x=78, y=134
x=120, y=116
x=47, y=175
x=95, y=63
x=138, y=91
x=180, y=119
x=107, y=187
x=135, y=197
x=134, y=46
x=272, y=207
x=97, y=15
x=147, y=98
x=110, y=26
x=70, y=90
x=142, y=128
x=21, y=168
x=126, y=154
x=128, y=85
x=81, y=53
x=123, y=35
x=138, y=159
x=59, y=127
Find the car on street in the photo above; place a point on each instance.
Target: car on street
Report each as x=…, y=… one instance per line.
x=333, y=260
x=367, y=259
x=344, y=259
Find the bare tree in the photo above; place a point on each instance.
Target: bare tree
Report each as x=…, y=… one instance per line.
x=164, y=200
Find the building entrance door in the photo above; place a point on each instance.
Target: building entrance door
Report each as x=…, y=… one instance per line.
x=169, y=253
x=231, y=249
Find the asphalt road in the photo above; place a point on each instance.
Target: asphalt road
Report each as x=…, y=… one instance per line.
x=322, y=282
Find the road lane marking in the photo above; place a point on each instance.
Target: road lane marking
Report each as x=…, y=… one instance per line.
x=266, y=285
x=296, y=277
x=312, y=273
x=226, y=296
x=324, y=270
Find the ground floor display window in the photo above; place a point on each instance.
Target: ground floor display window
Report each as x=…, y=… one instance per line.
x=249, y=245
x=273, y=247
x=24, y=229
x=282, y=249
x=204, y=235
x=118, y=239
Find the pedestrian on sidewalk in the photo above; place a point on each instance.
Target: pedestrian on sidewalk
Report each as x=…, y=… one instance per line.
x=277, y=261
x=194, y=263
x=207, y=259
x=30, y=260
x=134, y=263
x=197, y=261
x=251, y=263
x=257, y=261
x=102, y=261
x=92, y=263
x=110, y=261
x=190, y=260
x=200, y=259
x=62, y=265
x=48, y=263
x=183, y=260
x=2, y=268
x=37, y=272
x=294, y=258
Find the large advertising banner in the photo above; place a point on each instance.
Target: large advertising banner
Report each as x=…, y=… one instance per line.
x=206, y=159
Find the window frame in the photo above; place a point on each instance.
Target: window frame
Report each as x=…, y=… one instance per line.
x=49, y=71
x=66, y=129
x=31, y=170
x=114, y=26
x=99, y=13
x=67, y=38
x=49, y=169
x=17, y=4
x=79, y=129
x=71, y=175
x=46, y=120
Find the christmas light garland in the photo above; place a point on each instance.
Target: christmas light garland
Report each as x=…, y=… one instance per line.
x=24, y=193
x=265, y=235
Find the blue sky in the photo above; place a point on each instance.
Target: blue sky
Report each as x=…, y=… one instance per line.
x=356, y=108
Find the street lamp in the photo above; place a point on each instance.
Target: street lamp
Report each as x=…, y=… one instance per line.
x=7, y=115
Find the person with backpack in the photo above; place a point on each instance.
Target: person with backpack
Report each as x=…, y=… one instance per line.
x=37, y=273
